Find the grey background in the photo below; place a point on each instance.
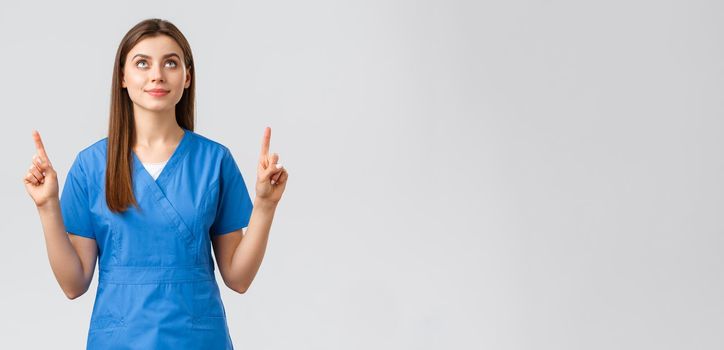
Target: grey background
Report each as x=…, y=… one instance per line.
x=463, y=175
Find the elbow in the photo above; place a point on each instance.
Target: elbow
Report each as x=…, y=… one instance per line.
x=237, y=287
x=73, y=293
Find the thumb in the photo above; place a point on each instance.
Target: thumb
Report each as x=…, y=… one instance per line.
x=43, y=164
x=272, y=170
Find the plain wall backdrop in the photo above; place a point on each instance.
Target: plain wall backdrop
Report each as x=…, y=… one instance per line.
x=463, y=174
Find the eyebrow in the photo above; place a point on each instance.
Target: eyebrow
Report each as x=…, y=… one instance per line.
x=164, y=56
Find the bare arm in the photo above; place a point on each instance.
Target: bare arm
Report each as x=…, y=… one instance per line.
x=239, y=255
x=72, y=257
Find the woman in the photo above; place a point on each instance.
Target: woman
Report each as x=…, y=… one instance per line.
x=149, y=201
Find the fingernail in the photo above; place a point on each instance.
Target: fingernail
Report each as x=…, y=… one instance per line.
x=273, y=182
x=279, y=166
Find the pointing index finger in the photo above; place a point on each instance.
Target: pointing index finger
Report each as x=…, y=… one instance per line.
x=265, y=141
x=39, y=145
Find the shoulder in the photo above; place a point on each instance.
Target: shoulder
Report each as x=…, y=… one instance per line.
x=210, y=149
x=90, y=163
x=91, y=156
x=211, y=154
x=95, y=150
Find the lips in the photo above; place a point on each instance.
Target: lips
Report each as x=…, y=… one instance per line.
x=157, y=92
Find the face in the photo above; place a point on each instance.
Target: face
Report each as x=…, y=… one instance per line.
x=156, y=63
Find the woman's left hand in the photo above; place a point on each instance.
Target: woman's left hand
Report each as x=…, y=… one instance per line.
x=271, y=177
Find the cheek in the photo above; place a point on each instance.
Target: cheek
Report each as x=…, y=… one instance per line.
x=177, y=94
x=134, y=80
x=177, y=82
x=135, y=83
x=176, y=79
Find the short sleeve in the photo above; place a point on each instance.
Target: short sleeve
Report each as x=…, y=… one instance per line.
x=74, y=201
x=234, y=208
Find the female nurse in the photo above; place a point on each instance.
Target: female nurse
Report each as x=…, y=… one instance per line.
x=150, y=201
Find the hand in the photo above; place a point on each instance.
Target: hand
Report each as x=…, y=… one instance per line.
x=41, y=180
x=271, y=177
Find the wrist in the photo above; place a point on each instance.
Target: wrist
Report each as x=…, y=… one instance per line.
x=50, y=204
x=264, y=203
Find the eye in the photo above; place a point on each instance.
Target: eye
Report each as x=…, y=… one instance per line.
x=139, y=61
x=172, y=61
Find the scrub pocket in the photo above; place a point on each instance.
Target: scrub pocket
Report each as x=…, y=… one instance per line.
x=102, y=338
x=207, y=299
x=107, y=314
x=103, y=323
x=107, y=320
x=209, y=328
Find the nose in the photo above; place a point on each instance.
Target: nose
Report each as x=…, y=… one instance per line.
x=157, y=74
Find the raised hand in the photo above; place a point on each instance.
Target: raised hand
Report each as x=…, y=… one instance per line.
x=271, y=177
x=41, y=180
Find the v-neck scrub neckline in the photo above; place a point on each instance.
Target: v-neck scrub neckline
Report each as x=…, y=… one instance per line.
x=154, y=168
x=178, y=153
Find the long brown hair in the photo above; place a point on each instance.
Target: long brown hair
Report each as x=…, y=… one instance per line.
x=121, y=126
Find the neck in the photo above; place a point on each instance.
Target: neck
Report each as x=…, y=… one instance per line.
x=156, y=127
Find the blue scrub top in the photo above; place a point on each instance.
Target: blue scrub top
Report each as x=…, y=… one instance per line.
x=156, y=285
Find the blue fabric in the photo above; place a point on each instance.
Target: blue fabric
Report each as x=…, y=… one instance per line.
x=230, y=215
x=74, y=202
x=156, y=286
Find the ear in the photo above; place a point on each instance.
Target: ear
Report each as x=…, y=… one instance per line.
x=187, y=83
x=123, y=79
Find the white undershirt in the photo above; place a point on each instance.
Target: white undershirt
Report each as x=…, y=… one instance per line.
x=154, y=168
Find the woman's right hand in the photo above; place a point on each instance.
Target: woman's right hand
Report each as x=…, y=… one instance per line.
x=41, y=180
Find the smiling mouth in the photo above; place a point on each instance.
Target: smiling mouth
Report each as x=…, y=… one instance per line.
x=157, y=92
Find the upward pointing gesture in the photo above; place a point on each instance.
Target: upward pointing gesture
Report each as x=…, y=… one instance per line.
x=271, y=177
x=41, y=180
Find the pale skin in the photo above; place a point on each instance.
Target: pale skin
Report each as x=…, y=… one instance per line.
x=238, y=254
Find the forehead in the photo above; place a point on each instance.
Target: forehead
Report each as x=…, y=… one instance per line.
x=156, y=47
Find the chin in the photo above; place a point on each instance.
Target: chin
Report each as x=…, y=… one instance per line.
x=156, y=107
x=161, y=108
